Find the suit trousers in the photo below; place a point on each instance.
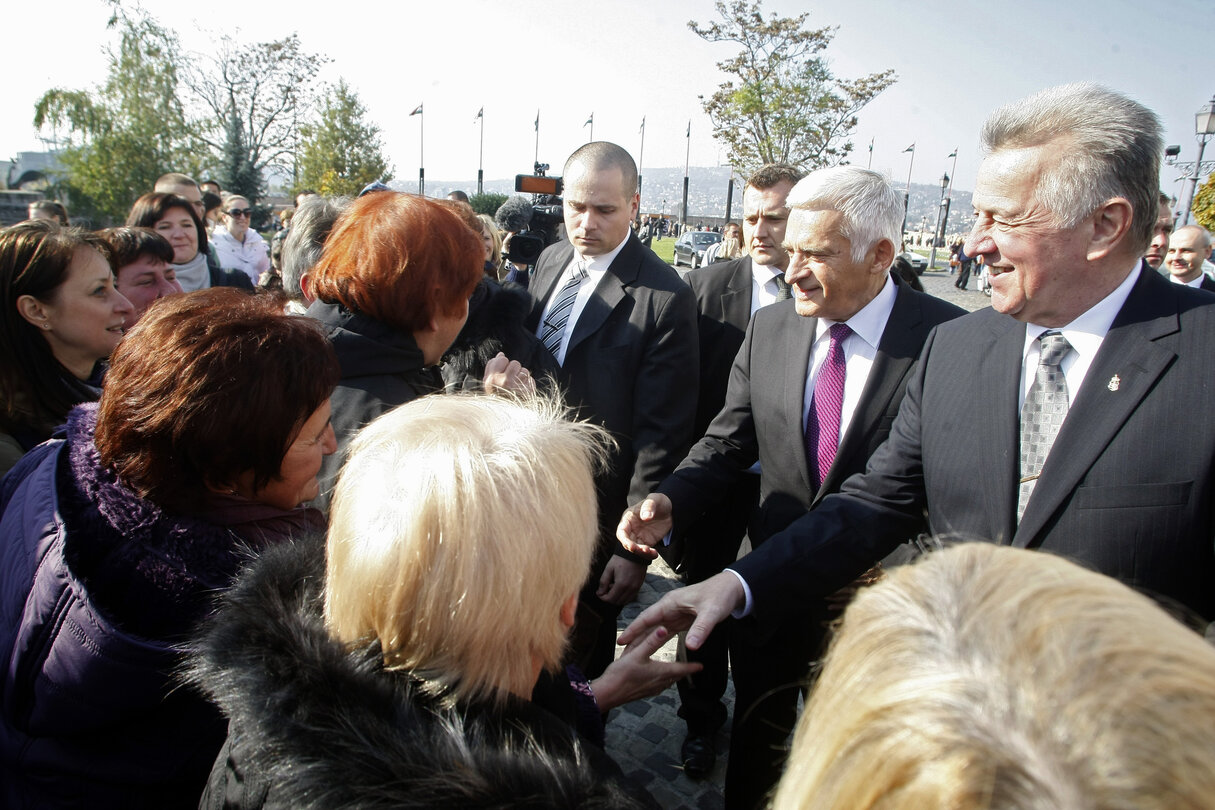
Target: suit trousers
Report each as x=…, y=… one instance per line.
x=771, y=669
x=712, y=543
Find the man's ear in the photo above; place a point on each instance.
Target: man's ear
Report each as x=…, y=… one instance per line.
x=32, y=310
x=1110, y=222
x=306, y=287
x=883, y=255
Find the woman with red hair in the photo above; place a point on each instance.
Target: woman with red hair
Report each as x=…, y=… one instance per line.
x=392, y=289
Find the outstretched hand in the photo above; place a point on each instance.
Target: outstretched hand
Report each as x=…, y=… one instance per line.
x=643, y=525
x=696, y=608
x=635, y=674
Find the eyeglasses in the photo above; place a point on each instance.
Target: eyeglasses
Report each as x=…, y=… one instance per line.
x=240, y=212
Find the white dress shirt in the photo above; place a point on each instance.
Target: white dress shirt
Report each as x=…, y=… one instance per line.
x=596, y=267
x=763, y=285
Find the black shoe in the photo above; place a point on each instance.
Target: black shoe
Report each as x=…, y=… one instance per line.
x=699, y=756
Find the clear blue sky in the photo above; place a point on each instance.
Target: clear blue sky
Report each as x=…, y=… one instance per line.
x=622, y=59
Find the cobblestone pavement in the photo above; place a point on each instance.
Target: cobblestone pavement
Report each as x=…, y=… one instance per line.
x=644, y=737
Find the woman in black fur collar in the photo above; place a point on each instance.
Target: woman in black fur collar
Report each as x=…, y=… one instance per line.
x=405, y=673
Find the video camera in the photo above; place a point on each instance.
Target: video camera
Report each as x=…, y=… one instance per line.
x=537, y=224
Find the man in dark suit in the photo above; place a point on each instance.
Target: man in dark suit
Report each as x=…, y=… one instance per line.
x=1080, y=330
x=1189, y=247
x=727, y=294
x=623, y=327
x=812, y=392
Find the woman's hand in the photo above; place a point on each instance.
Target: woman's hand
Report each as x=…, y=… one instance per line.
x=509, y=376
x=635, y=675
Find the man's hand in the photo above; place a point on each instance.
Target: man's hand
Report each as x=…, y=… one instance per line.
x=508, y=376
x=621, y=581
x=635, y=675
x=643, y=525
x=698, y=607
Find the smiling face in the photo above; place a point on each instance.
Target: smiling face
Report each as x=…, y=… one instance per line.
x=1188, y=249
x=143, y=281
x=83, y=320
x=765, y=216
x=177, y=225
x=1039, y=272
x=296, y=482
x=237, y=214
x=597, y=208
x=824, y=279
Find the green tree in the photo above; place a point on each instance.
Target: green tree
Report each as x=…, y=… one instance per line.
x=487, y=203
x=341, y=151
x=237, y=173
x=1203, y=208
x=126, y=133
x=784, y=104
x=264, y=88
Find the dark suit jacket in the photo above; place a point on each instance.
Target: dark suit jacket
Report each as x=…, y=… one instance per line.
x=723, y=304
x=631, y=365
x=762, y=416
x=1128, y=488
x=1207, y=284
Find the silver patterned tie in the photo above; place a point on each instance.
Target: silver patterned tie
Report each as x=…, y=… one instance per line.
x=1043, y=413
x=559, y=313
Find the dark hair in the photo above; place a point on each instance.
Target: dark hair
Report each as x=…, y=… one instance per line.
x=55, y=207
x=903, y=269
x=36, y=391
x=206, y=387
x=151, y=208
x=211, y=200
x=400, y=259
x=128, y=244
x=770, y=174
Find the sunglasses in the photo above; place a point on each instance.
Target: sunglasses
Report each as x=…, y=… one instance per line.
x=240, y=212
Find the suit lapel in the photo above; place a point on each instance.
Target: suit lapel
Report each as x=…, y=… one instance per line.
x=999, y=374
x=796, y=340
x=896, y=354
x=548, y=277
x=736, y=300
x=610, y=292
x=1126, y=367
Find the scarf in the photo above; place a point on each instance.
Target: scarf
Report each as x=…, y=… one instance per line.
x=194, y=275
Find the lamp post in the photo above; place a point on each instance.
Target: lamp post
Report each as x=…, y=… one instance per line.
x=936, y=229
x=1204, y=128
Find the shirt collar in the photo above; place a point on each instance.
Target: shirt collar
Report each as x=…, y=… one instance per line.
x=870, y=322
x=764, y=273
x=1086, y=332
x=597, y=264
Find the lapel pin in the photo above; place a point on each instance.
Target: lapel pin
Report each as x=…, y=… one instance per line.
x=1114, y=383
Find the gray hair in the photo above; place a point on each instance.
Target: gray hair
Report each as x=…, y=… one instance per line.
x=1204, y=236
x=1109, y=146
x=872, y=209
x=310, y=227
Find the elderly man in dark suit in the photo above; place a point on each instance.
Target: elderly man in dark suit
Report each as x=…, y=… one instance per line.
x=812, y=392
x=727, y=294
x=622, y=325
x=1085, y=355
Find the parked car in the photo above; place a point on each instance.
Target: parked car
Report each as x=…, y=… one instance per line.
x=690, y=248
x=918, y=263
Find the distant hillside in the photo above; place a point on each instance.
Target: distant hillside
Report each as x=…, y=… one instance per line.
x=707, y=187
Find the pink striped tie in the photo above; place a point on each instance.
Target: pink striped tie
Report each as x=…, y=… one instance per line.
x=823, y=421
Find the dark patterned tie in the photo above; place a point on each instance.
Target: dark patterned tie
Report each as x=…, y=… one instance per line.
x=783, y=292
x=1043, y=413
x=826, y=405
x=559, y=313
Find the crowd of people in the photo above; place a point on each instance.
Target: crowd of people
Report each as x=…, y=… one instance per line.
x=349, y=517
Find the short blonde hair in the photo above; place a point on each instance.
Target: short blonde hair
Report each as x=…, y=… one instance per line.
x=460, y=526
x=993, y=677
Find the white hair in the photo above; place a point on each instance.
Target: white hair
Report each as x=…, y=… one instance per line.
x=871, y=207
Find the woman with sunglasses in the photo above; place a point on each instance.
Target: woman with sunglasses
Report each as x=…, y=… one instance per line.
x=238, y=246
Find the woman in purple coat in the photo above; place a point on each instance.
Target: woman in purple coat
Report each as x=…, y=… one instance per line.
x=118, y=535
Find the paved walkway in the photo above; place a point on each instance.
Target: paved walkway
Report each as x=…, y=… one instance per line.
x=644, y=737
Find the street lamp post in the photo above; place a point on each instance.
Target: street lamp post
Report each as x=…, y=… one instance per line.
x=932, y=254
x=1204, y=128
